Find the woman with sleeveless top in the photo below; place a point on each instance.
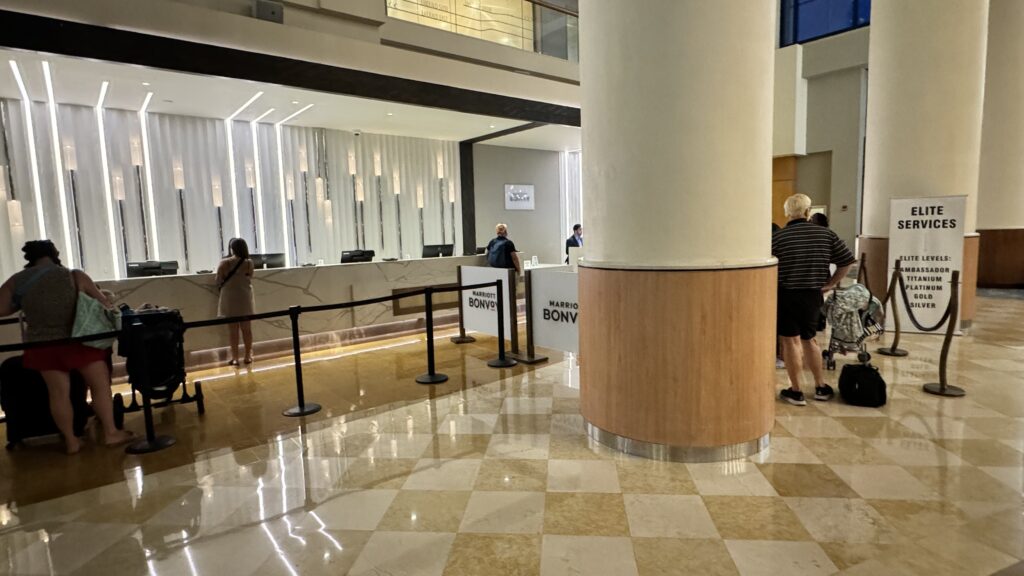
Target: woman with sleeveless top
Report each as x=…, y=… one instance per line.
x=234, y=279
x=46, y=293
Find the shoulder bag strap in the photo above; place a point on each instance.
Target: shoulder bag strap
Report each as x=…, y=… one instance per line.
x=230, y=274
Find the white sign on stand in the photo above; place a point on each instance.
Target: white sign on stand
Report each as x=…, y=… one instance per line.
x=927, y=236
x=554, y=294
x=479, y=306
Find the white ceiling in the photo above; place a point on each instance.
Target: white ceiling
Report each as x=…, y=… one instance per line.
x=550, y=137
x=77, y=81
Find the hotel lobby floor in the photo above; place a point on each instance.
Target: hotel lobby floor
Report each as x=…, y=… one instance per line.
x=500, y=479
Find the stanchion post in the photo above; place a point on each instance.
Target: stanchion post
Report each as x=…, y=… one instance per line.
x=461, y=338
x=431, y=377
x=942, y=388
x=302, y=409
x=513, y=312
x=892, y=302
x=501, y=361
x=530, y=357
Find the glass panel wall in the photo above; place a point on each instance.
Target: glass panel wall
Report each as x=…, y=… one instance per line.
x=806, y=20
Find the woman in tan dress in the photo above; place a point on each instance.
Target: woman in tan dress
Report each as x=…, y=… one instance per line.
x=234, y=279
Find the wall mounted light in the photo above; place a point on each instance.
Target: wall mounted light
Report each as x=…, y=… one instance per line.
x=150, y=202
x=71, y=164
x=355, y=200
x=58, y=164
x=396, y=187
x=108, y=201
x=231, y=160
x=179, y=185
x=117, y=183
x=26, y=106
x=287, y=192
x=217, y=196
x=451, y=203
x=261, y=226
x=377, y=169
x=419, y=204
x=440, y=189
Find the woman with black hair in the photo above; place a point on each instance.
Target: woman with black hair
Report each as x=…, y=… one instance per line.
x=46, y=293
x=234, y=280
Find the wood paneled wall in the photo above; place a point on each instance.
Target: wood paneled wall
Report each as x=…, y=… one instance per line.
x=1001, y=259
x=783, y=185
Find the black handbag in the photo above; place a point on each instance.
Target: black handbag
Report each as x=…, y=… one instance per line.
x=862, y=385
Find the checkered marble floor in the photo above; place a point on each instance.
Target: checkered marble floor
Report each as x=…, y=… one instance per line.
x=500, y=479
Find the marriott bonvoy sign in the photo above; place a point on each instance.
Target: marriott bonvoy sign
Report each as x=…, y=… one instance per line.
x=927, y=236
x=556, y=308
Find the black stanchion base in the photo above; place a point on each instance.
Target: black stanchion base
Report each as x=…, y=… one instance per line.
x=526, y=359
x=296, y=411
x=431, y=378
x=463, y=339
x=502, y=363
x=144, y=446
x=898, y=353
x=950, y=390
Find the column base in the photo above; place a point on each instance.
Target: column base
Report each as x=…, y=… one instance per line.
x=668, y=453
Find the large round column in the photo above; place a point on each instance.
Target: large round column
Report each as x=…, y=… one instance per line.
x=677, y=292
x=1001, y=183
x=926, y=70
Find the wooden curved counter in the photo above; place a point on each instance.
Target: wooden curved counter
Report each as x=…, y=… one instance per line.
x=679, y=358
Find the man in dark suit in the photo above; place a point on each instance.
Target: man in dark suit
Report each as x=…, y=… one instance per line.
x=574, y=241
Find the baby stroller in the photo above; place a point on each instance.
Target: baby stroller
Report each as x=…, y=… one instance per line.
x=856, y=317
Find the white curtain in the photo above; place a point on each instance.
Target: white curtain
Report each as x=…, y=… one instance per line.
x=572, y=190
x=198, y=149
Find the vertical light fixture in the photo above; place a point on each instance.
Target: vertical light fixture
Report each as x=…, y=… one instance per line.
x=250, y=183
x=440, y=190
x=179, y=185
x=377, y=169
x=14, y=215
x=261, y=225
x=150, y=202
x=396, y=183
x=136, y=153
x=231, y=160
x=355, y=201
x=218, y=203
x=26, y=105
x=304, y=170
x=451, y=202
x=118, y=186
x=361, y=200
x=286, y=188
x=58, y=164
x=328, y=211
x=107, y=199
x=71, y=164
x=419, y=204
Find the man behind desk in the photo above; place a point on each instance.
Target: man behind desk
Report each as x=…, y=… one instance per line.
x=574, y=241
x=501, y=252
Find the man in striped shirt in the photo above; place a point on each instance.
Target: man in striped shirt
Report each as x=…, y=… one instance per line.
x=805, y=251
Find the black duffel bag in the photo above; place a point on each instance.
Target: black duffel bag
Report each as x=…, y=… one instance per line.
x=862, y=385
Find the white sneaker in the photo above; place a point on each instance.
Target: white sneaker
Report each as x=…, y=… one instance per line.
x=779, y=364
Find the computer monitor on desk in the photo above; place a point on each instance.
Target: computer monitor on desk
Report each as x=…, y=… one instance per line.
x=437, y=250
x=348, y=256
x=267, y=260
x=152, y=268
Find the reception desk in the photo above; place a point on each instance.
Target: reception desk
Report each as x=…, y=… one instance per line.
x=196, y=296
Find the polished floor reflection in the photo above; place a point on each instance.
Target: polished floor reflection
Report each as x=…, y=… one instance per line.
x=498, y=478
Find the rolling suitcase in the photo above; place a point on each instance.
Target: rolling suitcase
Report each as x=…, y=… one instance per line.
x=26, y=403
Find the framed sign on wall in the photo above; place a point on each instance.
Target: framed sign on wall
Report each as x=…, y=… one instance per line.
x=518, y=196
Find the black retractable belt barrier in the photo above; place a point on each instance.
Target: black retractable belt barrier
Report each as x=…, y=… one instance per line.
x=302, y=409
x=891, y=302
x=431, y=377
x=461, y=338
x=942, y=388
x=501, y=361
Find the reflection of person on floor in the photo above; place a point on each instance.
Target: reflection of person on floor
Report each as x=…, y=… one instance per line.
x=46, y=293
x=804, y=251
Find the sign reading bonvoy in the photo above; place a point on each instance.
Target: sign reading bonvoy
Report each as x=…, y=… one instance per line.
x=556, y=309
x=479, y=306
x=518, y=196
x=927, y=236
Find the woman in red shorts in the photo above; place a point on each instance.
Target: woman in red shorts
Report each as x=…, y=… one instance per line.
x=46, y=293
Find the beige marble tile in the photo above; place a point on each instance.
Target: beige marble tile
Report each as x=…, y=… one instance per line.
x=504, y=512
x=518, y=446
x=971, y=555
x=431, y=474
x=585, y=514
x=883, y=482
x=520, y=405
x=919, y=518
x=807, y=480
x=964, y=483
x=676, y=557
x=458, y=446
x=506, y=554
x=860, y=557
x=735, y=478
x=567, y=424
x=364, y=473
x=566, y=405
x=757, y=558
x=984, y=452
x=314, y=553
x=351, y=510
x=814, y=427
x=915, y=452
x=404, y=554
x=579, y=447
x=582, y=476
x=578, y=555
x=785, y=451
x=425, y=511
x=842, y=520
x=58, y=549
x=523, y=424
x=668, y=516
x=754, y=518
x=940, y=427
x=515, y=475
x=876, y=428
x=845, y=451
x=640, y=476
x=467, y=424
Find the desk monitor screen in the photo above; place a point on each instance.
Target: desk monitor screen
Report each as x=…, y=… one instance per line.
x=274, y=260
x=152, y=268
x=357, y=256
x=437, y=250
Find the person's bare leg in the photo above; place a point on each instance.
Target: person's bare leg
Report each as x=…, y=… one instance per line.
x=58, y=386
x=791, y=356
x=233, y=338
x=97, y=377
x=247, y=339
x=812, y=360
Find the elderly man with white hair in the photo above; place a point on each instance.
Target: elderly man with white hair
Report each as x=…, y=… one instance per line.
x=805, y=251
x=501, y=251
